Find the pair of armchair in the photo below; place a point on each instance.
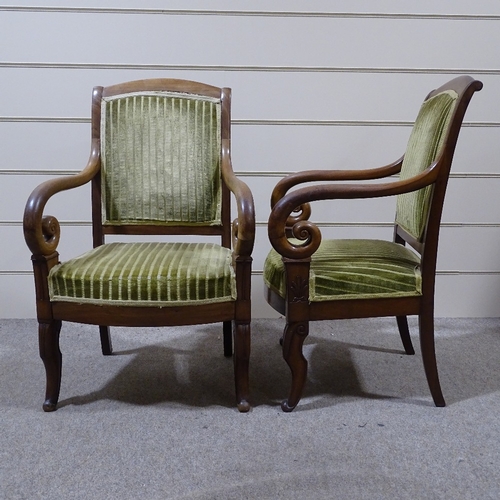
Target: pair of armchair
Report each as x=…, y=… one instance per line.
x=160, y=164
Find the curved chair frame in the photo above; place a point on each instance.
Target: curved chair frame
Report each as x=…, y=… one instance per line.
x=289, y=218
x=42, y=233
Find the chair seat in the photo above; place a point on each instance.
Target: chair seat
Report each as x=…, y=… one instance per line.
x=353, y=269
x=146, y=274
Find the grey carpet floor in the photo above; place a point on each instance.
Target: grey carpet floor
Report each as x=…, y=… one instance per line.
x=157, y=420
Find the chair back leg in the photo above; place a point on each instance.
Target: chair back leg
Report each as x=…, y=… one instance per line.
x=427, y=345
x=227, y=331
x=404, y=332
x=106, y=346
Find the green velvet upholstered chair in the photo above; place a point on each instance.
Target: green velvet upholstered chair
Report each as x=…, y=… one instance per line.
x=160, y=164
x=308, y=279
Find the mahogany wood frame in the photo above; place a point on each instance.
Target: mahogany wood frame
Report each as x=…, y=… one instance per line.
x=290, y=211
x=42, y=234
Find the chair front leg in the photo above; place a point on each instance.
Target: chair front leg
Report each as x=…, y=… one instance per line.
x=48, y=339
x=293, y=340
x=241, y=365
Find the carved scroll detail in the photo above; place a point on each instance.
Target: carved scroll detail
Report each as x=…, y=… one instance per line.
x=51, y=231
x=302, y=212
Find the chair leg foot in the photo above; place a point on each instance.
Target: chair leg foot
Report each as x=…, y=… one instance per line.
x=241, y=365
x=243, y=406
x=48, y=340
x=49, y=406
x=426, y=326
x=285, y=407
x=293, y=340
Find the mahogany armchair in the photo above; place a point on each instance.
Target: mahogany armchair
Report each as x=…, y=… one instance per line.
x=160, y=164
x=309, y=279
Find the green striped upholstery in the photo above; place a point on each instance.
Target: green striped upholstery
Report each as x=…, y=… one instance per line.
x=424, y=145
x=353, y=269
x=161, y=159
x=146, y=274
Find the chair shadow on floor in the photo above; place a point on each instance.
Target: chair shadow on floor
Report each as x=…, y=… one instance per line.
x=198, y=375
x=364, y=358
x=365, y=365
x=160, y=373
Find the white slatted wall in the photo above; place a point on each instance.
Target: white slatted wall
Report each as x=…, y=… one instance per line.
x=316, y=84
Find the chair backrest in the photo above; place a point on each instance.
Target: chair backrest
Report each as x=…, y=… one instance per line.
x=160, y=147
x=424, y=146
x=160, y=159
x=432, y=141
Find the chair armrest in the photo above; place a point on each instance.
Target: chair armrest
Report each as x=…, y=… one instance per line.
x=42, y=232
x=309, y=232
x=285, y=184
x=244, y=225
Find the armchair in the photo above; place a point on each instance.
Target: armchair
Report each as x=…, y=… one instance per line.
x=310, y=279
x=160, y=164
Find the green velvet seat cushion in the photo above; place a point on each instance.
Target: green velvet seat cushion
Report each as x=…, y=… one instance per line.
x=146, y=274
x=353, y=269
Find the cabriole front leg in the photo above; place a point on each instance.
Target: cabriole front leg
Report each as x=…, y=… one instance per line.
x=293, y=340
x=48, y=338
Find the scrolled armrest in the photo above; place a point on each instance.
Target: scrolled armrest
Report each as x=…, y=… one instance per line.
x=278, y=229
x=51, y=231
x=300, y=213
x=306, y=231
x=282, y=227
x=288, y=182
x=243, y=230
x=42, y=232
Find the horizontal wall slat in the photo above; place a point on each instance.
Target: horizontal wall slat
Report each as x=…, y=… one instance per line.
x=259, y=97
x=256, y=122
x=241, y=174
x=72, y=204
x=474, y=260
x=249, y=13
x=460, y=206
x=250, y=68
x=261, y=151
x=281, y=41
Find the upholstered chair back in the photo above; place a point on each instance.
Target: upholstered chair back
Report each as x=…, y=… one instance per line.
x=160, y=159
x=424, y=146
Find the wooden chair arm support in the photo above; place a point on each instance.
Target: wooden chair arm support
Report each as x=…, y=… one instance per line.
x=244, y=224
x=42, y=232
x=285, y=184
x=279, y=232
